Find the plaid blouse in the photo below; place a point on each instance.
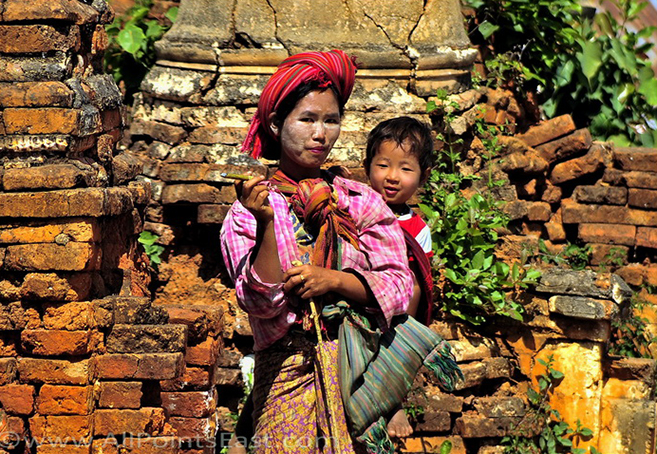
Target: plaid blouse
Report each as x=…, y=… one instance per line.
x=381, y=261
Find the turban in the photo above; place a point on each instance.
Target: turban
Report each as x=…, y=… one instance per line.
x=329, y=68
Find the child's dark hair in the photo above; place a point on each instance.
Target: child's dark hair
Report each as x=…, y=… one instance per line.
x=400, y=130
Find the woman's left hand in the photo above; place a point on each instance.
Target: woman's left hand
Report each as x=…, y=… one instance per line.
x=308, y=281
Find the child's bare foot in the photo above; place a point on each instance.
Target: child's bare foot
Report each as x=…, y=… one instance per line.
x=235, y=446
x=398, y=426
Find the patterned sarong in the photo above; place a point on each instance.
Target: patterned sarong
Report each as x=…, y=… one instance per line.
x=291, y=400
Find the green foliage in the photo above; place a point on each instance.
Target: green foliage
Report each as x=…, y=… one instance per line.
x=597, y=69
x=630, y=336
x=555, y=436
x=571, y=256
x=131, y=51
x=153, y=251
x=464, y=234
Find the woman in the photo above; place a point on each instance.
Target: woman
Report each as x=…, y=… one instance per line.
x=304, y=236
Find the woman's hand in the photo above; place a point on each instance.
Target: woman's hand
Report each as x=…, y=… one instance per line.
x=308, y=281
x=254, y=197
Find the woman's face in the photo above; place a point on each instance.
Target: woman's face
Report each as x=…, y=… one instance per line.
x=308, y=134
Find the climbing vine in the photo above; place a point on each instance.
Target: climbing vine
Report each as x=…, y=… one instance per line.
x=474, y=283
x=552, y=435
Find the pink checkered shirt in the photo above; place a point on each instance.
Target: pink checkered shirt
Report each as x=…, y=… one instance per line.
x=381, y=260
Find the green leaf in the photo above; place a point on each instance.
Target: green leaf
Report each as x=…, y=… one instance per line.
x=172, y=14
x=648, y=89
x=590, y=59
x=131, y=39
x=153, y=30
x=487, y=29
x=446, y=447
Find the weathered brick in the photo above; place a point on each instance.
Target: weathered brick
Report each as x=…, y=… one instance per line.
x=71, y=256
x=120, y=394
x=53, y=287
x=530, y=162
x=551, y=193
x=66, y=203
x=642, y=198
x=554, y=227
x=608, y=233
x=47, y=120
x=575, y=168
x=633, y=179
x=35, y=68
x=152, y=445
x=19, y=316
x=66, y=10
x=641, y=159
x=67, y=429
x=538, y=211
x=198, y=193
x=574, y=213
x=226, y=376
x=497, y=407
x=646, y=237
x=23, y=39
x=548, y=130
x=65, y=400
x=566, y=147
x=474, y=374
x=84, y=230
x=159, y=131
x=191, y=404
x=153, y=366
x=475, y=426
x=610, y=255
x=54, y=371
x=35, y=94
x=8, y=368
x=606, y=195
x=52, y=176
x=515, y=210
x=212, y=214
x=193, y=379
x=498, y=368
x=433, y=421
x=44, y=342
x=204, y=353
x=17, y=399
x=147, y=338
x=69, y=316
x=143, y=421
x=214, y=134
x=201, y=321
x=132, y=310
x=194, y=428
x=57, y=448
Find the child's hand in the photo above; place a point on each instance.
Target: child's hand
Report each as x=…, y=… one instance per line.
x=308, y=281
x=340, y=171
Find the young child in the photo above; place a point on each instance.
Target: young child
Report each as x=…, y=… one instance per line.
x=398, y=160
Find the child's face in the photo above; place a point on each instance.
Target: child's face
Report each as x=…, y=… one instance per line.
x=395, y=173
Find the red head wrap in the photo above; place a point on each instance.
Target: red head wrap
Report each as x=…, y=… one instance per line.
x=332, y=68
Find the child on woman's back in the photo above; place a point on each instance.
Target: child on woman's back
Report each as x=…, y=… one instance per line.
x=398, y=160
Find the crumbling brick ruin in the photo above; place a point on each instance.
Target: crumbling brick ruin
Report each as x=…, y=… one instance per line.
x=98, y=354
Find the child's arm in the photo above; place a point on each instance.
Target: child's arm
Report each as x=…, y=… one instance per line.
x=417, y=292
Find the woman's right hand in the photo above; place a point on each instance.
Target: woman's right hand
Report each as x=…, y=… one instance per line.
x=254, y=197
